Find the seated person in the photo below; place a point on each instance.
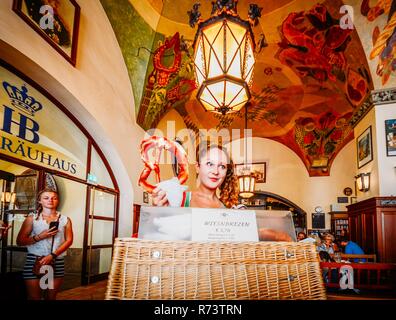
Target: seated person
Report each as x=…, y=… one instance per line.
x=301, y=236
x=3, y=229
x=351, y=247
x=325, y=257
x=328, y=244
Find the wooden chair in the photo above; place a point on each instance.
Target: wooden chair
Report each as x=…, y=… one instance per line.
x=370, y=276
x=352, y=257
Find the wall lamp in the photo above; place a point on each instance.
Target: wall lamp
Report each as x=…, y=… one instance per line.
x=363, y=182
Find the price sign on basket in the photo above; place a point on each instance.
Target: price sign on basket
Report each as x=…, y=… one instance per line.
x=223, y=225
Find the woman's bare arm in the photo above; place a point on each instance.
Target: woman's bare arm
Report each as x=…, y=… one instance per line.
x=68, y=238
x=24, y=238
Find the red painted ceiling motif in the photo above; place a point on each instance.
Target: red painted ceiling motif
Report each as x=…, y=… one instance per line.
x=384, y=41
x=305, y=87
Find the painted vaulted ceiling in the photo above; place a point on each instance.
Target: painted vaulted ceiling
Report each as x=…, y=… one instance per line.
x=311, y=74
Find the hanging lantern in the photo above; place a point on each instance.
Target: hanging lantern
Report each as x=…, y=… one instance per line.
x=246, y=185
x=224, y=60
x=247, y=181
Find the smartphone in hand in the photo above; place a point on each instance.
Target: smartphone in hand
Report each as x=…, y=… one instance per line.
x=54, y=224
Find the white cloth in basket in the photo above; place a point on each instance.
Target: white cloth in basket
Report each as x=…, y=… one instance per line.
x=176, y=227
x=174, y=191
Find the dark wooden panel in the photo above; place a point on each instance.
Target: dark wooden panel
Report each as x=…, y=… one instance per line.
x=373, y=226
x=389, y=236
x=369, y=234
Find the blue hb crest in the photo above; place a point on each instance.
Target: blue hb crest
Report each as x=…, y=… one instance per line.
x=21, y=100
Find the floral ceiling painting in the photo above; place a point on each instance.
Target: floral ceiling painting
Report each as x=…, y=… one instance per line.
x=311, y=73
x=383, y=39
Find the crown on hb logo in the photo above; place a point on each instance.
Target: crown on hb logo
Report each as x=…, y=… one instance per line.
x=21, y=100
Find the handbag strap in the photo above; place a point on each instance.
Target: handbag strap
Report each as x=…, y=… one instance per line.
x=53, y=237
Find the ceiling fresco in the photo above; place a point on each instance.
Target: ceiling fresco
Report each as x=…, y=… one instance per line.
x=310, y=77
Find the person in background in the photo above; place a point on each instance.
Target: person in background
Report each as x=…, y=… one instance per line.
x=3, y=229
x=328, y=244
x=351, y=247
x=39, y=239
x=344, y=233
x=325, y=257
x=301, y=236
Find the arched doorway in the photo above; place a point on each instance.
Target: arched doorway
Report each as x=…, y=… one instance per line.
x=41, y=142
x=269, y=201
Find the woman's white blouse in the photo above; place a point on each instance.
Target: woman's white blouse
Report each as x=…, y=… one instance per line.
x=43, y=247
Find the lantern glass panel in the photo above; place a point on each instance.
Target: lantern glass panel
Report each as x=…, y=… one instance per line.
x=207, y=106
x=235, y=68
x=238, y=31
x=247, y=183
x=207, y=96
x=252, y=184
x=232, y=89
x=212, y=31
x=215, y=66
x=366, y=182
x=249, y=76
x=359, y=183
x=199, y=64
x=249, y=62
x=217, y=90
x=232, y=47
x=240, y=183
x=240, y=98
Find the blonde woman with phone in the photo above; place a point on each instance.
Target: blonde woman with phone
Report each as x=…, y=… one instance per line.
x=47, y=235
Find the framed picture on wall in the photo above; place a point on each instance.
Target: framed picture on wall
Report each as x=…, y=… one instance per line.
x=390, y=133
x=318, y=220
x=258, y=169
x=364, y=148
x=145, y=197
x=56, y=21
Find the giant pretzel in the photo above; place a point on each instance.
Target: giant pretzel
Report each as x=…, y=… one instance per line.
x=161, y=143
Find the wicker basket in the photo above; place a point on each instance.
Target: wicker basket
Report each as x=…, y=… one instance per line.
x=143, y=269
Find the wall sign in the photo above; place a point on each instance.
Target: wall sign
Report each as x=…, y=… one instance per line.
x=35, y=130
x=348, y=191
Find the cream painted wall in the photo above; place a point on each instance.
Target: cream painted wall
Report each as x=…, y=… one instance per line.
x=387, y=165
x=372, y=167
x=98, y=91
x=288, y=177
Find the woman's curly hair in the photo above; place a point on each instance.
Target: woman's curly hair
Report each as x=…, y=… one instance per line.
x=229, y=189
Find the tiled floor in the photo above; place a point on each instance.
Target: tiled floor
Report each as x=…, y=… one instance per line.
x=94, y=291
x=97, y=291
